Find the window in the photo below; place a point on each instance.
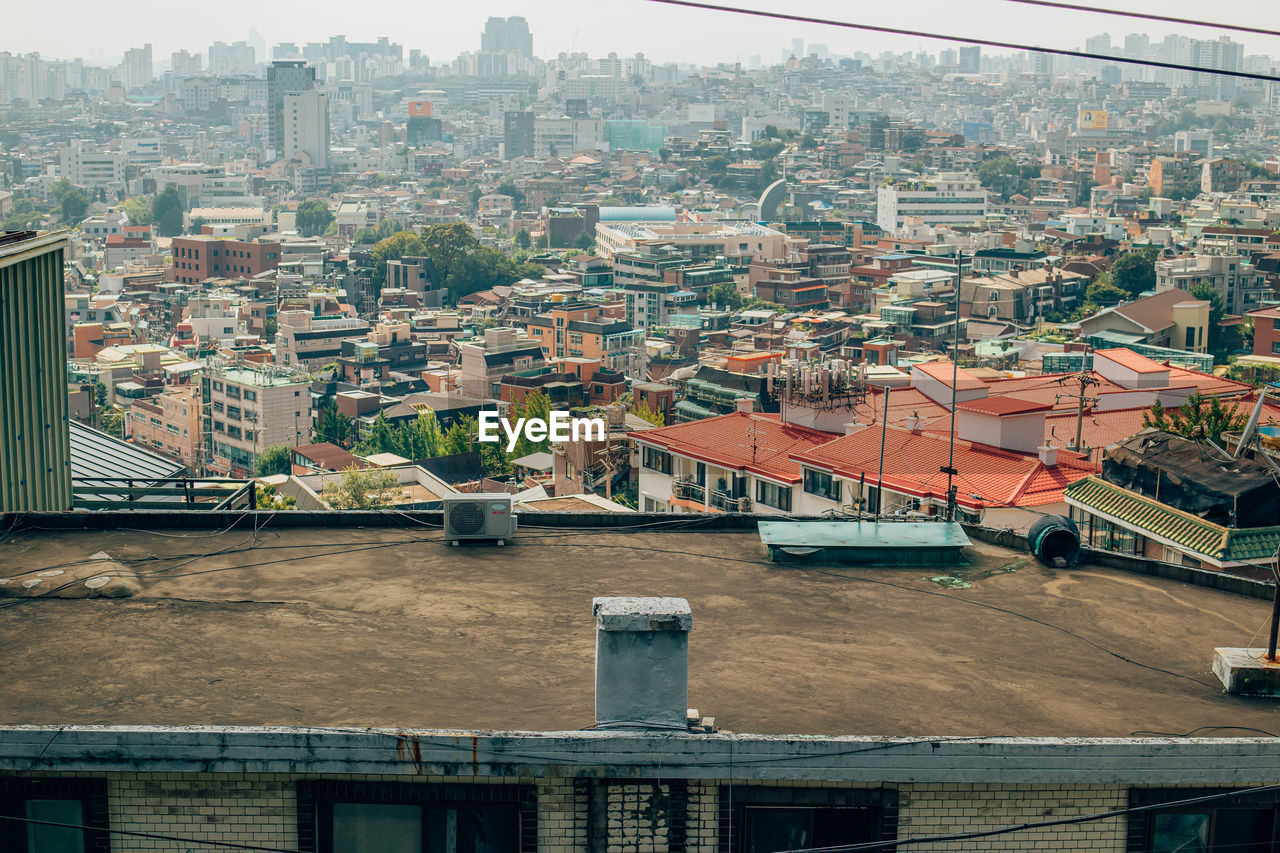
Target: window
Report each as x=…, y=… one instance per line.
x=764, y=820
x=1238, y=825
x=233, y=391
x=821, y=484
x=656, y=460
x=233, y=413
x=365, y=817
x=78, y=801
x=771, y=494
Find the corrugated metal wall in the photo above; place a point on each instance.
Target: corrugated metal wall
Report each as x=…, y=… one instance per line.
x=35, y=448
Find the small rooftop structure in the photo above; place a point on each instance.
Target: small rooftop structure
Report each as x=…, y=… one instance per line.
x=866, y=543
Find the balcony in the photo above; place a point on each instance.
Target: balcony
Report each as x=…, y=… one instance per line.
x=727, y=503
x=686, y=490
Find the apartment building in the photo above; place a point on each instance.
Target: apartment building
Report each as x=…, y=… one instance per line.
x=246, y=409
x=580, y=330
x=198, y=258
x=740, y=462
x=739, y=241
x=1241, y=285
x=307, y=338
x=483, y=361
x=169, y=424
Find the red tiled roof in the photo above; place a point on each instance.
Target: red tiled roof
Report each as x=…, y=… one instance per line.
x=942, y=370
x=1130, y=359
x=759, y=443
x=912, y=462
x=1004, y=406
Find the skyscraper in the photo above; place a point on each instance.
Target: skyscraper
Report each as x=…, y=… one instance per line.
x=971, y=59
x=507, y=35
x=35, y=442
x=1221, y=54
x=137, y=71
x=306, y=127
x=288, y=76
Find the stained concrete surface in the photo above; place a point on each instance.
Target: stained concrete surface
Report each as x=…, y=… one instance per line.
x=391, y=627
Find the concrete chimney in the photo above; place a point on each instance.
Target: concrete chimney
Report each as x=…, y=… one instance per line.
x=746, y=405
x=1049, y=455
x=642, y=662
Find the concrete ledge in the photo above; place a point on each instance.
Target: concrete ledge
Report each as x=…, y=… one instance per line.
x=1246, y=672
x=642, y=755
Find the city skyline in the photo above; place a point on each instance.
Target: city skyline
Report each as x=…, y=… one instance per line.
x=662, y=33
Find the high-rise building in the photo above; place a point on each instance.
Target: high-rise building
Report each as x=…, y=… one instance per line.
x=35, y=443
x=1221, y=54
x=517, y=134
x=507, y=35
x=238, y=58
x=306, y=127
x=1100, y=44
x=185, y=64
x=970, y=59
x=137, y=71
x=288, y=76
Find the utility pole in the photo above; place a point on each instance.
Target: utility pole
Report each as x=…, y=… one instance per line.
x=950, y=468
x=1084, y=380
x=884, y=430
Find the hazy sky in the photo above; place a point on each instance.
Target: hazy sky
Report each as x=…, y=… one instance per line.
x=442, y=29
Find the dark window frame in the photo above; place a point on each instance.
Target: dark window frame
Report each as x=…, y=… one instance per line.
x=675, y=801
x=92, y=794
x=1141, y=824
x=734, y=802
x=316, y=799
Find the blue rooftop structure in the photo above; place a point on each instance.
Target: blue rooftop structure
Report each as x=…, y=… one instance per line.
x=638, y=214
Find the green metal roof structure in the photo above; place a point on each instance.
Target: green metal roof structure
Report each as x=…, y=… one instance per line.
x=1218, y=544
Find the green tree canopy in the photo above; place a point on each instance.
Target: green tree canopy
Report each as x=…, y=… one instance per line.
x=166, y=211
x=1002, y=175
x=73, y=205
x=1198, y=417
x=333, y=426
x=274, y=460
x=362, y=488
x=399, y=245
x=1135, y=272
x=1103, y=292
x=138, y=210
x=314, y=217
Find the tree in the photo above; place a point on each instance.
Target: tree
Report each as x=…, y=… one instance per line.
x=523, y=240
x=1002, y=175
x=766, y=149
x=584, y=243
x=333, y=426
x=399, y=245
x=1182, y=191
x=536, y=405
x=266, y=497
x=1196, y=418
x=274, y=460
x=1135, y=272
x=314, y=217
x=1103, y=292
x=73, y=205
x=726, y=295
x=640, y=408
x=461, y=436
x=362, y=488
x=138, y=210
x=664, y=154
x=808, y=143
x=111, y=421
x=166, y=212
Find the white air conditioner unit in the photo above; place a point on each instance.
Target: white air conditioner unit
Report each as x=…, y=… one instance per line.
x=478, y=516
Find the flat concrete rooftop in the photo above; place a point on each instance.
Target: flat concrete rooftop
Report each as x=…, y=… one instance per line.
x=390, y=627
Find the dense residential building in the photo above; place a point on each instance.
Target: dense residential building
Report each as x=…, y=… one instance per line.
x=245, y=410
x=197, y=259
x=945, y=198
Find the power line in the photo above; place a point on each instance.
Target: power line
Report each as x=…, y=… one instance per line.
x=925, y=34
x=1168, y=19
x=1062, y=821
x=200, y=842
